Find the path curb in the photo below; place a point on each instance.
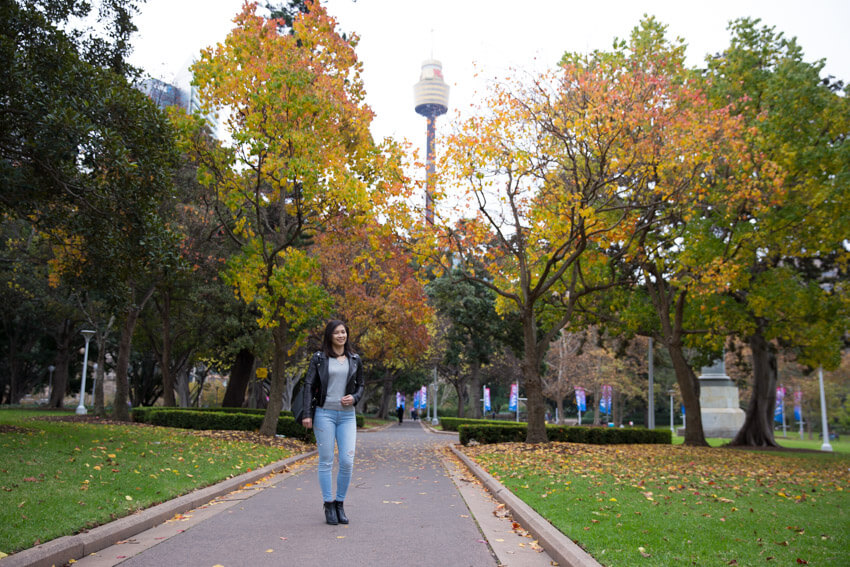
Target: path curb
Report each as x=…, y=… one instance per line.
x=565, y=551
x=64, y=549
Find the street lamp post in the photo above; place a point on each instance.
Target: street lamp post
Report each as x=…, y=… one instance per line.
x=81, y=409
x=826, y=446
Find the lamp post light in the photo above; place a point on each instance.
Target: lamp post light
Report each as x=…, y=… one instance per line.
x=671, y=391
x=81, y=409
x=826, y=446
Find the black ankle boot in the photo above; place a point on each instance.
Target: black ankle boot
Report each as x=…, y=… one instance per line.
x=340, y=513
x=330, y=513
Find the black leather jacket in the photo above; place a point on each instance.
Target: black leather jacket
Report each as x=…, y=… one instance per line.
x=316, y=381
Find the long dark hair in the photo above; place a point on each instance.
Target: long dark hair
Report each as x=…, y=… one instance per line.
x=327, y=338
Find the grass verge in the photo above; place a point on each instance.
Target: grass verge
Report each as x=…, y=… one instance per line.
x=674, y=505
x=61, y=477
x=840, y=446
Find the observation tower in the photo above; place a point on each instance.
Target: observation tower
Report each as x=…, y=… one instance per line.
x=431, y=96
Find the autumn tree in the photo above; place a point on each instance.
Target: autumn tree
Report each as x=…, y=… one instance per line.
x=791, y=237
x=374, y=286
x=300, y=159
x=563, y=173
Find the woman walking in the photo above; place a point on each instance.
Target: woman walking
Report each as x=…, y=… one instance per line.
x=332, y=387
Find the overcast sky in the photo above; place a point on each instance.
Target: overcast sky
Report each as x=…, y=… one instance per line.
x=492, y=35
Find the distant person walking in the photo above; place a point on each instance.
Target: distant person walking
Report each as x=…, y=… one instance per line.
x=399, y=412
x=334, y=383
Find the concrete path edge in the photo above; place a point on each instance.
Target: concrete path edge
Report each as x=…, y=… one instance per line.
x=565, y=551
x=60, y=551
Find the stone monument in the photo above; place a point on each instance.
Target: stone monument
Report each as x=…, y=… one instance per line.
x=720, y=407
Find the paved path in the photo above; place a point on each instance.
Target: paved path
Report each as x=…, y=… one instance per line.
x=410, y=502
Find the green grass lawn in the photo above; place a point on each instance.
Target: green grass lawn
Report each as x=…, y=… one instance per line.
x=790, y=442
x=57, y=478
x=675, y=505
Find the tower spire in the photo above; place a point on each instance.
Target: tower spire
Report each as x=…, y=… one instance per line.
x=431, y=97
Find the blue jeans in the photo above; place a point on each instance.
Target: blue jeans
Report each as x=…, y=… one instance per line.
x=339, y=426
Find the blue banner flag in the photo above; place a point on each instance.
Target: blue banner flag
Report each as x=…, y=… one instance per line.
x=580, y=399
x=512, y=401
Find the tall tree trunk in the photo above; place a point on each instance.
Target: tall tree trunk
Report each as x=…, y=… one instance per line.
x=559, y=403
x=183, y=395
x=689, y=388
x=475, y=388
x=671, y=314
x=168, y=399
x=386, y=395
x=291, y=380
x=616, y=417
x=533, y=384
x=278, y=377
x=99, y=400
x=181, y=379
x=240, y=377
x=757, y=430
x=597, y=412
x=121, y=411
x=63, y=358
x=459, y=388
x=14, y=367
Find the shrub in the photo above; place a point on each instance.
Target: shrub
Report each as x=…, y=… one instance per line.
x=452, y=423
x=140, y=414
x=217, y=420
x=506, y=432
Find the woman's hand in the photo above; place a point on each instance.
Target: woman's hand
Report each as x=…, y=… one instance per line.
x=307, y=422
x=347, y=400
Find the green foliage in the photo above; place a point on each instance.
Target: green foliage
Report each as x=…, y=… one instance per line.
x=793, y=243
x=85, y=156
x=475, y=329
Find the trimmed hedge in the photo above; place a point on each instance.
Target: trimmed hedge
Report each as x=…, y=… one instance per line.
x=229, y=419
x=508, y=432
x=453, y=423
x=140, y=413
